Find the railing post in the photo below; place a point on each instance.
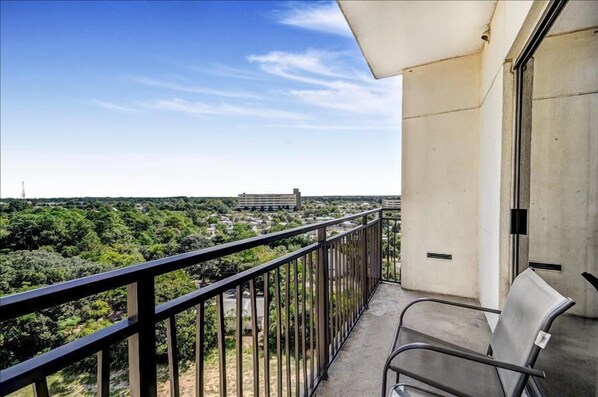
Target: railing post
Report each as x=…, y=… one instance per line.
x=380, y=253
x=364, y=261
x=322, y=308
x=142, y=345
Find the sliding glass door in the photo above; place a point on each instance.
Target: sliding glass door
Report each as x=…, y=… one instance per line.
x=556, y=192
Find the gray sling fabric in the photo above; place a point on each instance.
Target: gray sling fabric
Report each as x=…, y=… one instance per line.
x=457, y=376
x=530, y=306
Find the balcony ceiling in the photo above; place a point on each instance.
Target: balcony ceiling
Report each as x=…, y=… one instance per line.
x=394, y=35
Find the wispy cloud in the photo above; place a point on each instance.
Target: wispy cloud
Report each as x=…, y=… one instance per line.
x=323, y=17
x=316, y=67
x=330, y=83
x=202, y=109
x=221, y=70
x=115, y=107
x=152, y=82
x=310, y=61
x=335, y=127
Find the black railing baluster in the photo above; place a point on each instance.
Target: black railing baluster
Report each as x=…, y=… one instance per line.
x=103, y=380
x=353, y=279
x=40, y=388
x=345, y=289
x=173, y=356
x=338, y=296
x=349, y=283
x=266, y=333
x=380, y=247
x=287, y=320
x=303, y=326
x=364, y=262
x=322, y=308
x=388, y=248
x=341, y=295
x=142, y=345
x=331, y=297
x=221, y=344
x=369, y=255
x=239, y=339
x=296, y=307
x=199, y=349
x=255, y=341
x=394, y=250
x=312, y=321
x=278, y=333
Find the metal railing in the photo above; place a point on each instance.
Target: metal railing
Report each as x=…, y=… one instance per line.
x=311, y=299
x=391, y=245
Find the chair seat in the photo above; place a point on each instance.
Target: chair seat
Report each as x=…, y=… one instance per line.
x=455, y=375
x=409, y=335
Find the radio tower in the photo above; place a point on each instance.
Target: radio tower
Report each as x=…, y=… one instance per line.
x=22, y=190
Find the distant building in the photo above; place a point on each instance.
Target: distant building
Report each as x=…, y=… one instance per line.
x=270, y=202
x=391, y=204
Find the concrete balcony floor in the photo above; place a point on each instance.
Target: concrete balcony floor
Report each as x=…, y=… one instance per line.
x=357, y=369
x=570, y=361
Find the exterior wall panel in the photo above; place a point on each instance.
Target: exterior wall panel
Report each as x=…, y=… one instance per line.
x=440, y=177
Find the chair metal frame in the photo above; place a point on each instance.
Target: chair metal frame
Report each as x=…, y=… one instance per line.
x=479, y=358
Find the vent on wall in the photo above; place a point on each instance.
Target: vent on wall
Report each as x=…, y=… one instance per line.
x=545, y=266
x=440, y=256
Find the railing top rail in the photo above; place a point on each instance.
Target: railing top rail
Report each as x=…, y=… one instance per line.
x=27, y=372
x=16, y=305
x=193, y=298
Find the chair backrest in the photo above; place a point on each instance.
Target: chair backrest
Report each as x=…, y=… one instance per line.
x=531, y=307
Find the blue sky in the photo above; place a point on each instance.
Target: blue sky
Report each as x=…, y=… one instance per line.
x=191, y=98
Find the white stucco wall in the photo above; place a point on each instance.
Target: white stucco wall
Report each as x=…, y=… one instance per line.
x=440, y=176
x=489, y=195
x=457, y=175
x=496, y=131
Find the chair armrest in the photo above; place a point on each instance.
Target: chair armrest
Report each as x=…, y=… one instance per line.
x=441, y=301
x=445, y=302
x=460, y=354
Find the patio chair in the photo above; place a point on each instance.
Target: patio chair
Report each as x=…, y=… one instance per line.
x=520, y=334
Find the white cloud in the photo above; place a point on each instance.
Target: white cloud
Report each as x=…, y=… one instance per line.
x=323, y=17
x=203, y=109
x=336, y=127
x=221, y=70
x=192, y=89
x=330, y=83
x=115, y=107
x=311, y=61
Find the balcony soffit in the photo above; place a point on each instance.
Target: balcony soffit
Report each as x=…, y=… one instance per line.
x=394, y=35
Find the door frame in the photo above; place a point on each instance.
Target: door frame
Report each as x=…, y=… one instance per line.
x=523, y=69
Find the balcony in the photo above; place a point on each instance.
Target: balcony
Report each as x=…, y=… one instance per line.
x=499, y=170
x=309, y=301
x=329, y=313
